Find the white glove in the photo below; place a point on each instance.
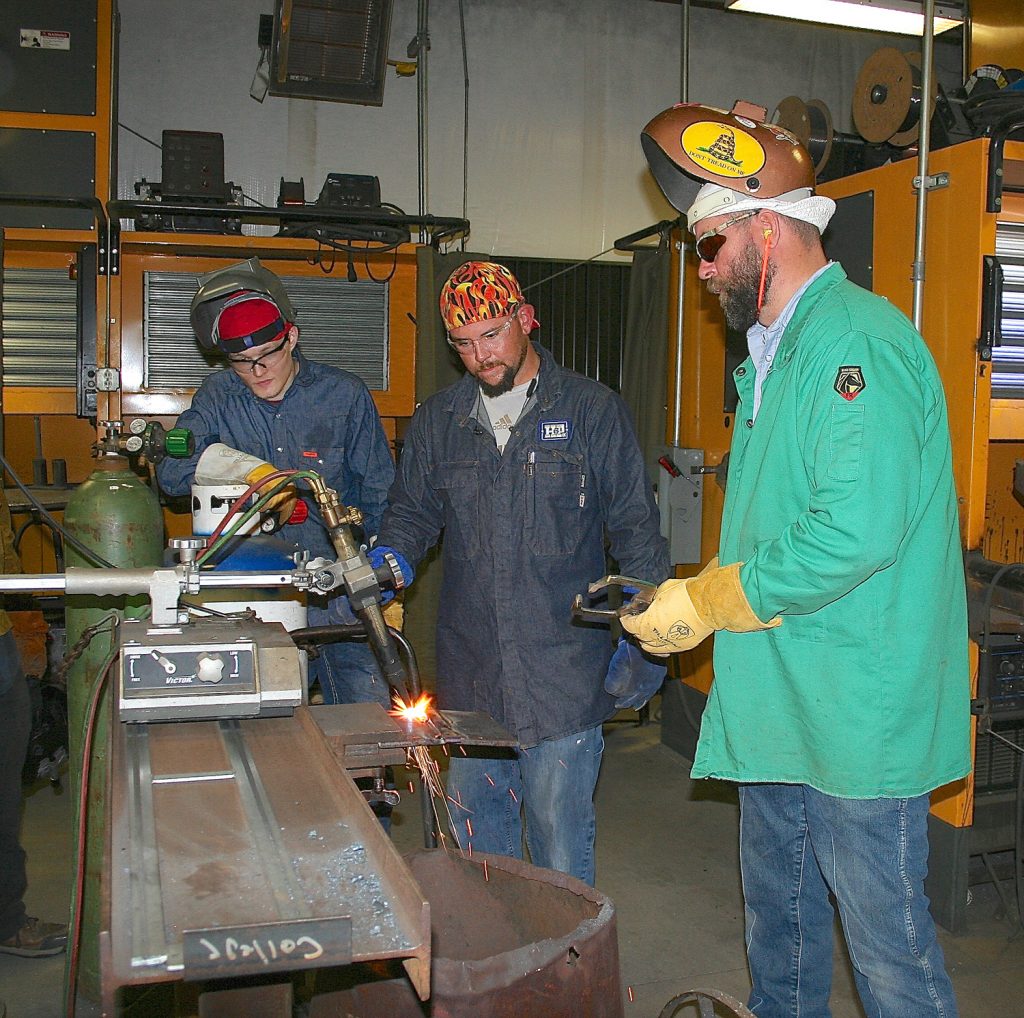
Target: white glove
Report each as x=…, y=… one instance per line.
x=220, y=464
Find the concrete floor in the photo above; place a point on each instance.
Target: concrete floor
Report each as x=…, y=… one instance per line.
x=667, y=858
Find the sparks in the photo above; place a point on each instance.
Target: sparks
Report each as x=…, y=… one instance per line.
x=469, y=827
x=513, y=794
x=417, y=711
x=455, y=802
x=490, y=779
x=486, y=877
x=629, y=990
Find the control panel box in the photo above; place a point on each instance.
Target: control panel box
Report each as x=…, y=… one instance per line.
x=216, y=668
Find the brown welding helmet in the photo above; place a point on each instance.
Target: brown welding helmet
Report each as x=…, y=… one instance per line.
x=690, y=144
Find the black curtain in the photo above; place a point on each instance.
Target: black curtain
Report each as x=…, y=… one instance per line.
x=645, y=346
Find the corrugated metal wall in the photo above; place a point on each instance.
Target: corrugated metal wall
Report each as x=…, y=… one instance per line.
x=341, y=323
x=40, y=308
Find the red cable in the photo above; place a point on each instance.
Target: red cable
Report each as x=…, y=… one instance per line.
x=764, y=272
x=240, y=501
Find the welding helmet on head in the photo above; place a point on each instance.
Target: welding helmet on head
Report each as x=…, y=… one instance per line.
x=240, y=307
x=478, y=291
x=710, y=162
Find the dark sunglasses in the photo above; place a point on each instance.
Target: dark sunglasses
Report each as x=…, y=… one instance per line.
x=709, y=244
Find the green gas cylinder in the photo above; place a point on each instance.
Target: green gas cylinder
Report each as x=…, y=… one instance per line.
x=117, y=515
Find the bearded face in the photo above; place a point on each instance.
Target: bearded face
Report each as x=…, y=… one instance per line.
x=737, y=287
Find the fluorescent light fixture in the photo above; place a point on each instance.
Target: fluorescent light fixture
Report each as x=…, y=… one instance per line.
x=902, y=17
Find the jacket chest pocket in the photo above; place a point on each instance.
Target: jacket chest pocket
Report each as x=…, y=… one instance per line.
x=329, y=461
x=458, y=484
x=556, y=500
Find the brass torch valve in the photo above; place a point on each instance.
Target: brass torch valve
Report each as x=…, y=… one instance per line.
x=334, y=513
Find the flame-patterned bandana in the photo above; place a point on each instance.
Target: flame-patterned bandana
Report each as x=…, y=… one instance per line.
x=476, y=291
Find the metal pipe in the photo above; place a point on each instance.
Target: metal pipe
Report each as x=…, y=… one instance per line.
x=22, y=583
x=225, y=579
x=684, y=55
x=124, y=209
x=677, y=399
x=104, y=582
x=924, y=141
x=684, y=92
x=423, y=45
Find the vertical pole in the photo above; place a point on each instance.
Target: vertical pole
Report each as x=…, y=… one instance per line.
x=924, y=140
x=684, y=91
x=422, y=48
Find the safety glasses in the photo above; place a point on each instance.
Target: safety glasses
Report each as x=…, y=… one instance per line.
x=489, y=340
x=243, y=364
x=709, y=244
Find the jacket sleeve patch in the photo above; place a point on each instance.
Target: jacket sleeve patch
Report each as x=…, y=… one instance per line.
x=849, y=381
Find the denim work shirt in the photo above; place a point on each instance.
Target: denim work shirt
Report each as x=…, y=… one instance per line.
x=326, y=422
x=524, y=532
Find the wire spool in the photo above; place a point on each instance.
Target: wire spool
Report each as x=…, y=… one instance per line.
x=888, y=99
x=983, y=80
x=811, y=122
x=992, y=93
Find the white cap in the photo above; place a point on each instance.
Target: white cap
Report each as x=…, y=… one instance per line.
x=803, y=204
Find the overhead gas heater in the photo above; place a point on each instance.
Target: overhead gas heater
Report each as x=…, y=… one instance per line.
x=902, y=17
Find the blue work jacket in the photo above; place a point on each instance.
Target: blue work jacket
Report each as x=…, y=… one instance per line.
x=326, y=422
x=523, y=533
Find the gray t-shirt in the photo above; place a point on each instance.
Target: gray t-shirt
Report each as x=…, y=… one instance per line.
x=503, y=411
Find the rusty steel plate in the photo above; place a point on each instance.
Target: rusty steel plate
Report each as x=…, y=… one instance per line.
x=365, y=734
x=240, y=847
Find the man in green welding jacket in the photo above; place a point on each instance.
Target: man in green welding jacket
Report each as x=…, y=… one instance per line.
x=841, y=688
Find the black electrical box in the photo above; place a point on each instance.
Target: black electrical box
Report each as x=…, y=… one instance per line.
x=349, y=191
x=193, y=167
x=1001, y=677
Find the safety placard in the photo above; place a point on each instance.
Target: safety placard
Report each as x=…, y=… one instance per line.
x=40, y=38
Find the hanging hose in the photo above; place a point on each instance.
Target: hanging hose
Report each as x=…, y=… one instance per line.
x=313, y=636
x=222, y=536
x=89, y=728
x=83, y=549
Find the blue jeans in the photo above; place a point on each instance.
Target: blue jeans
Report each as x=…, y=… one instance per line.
x=796, y=845
x=552, y=783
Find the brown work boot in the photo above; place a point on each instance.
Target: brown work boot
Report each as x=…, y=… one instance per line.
x=36, y=939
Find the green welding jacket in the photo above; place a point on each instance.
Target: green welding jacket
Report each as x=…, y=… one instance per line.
x=841, y=506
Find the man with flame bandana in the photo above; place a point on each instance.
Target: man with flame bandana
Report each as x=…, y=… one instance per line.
x=527, y=468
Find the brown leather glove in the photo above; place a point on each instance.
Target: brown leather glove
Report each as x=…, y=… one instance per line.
x=684, y=613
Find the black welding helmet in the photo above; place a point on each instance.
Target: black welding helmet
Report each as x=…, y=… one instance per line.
x=248, y=296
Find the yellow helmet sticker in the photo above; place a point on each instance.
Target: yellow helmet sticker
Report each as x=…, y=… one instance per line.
x=722, y=149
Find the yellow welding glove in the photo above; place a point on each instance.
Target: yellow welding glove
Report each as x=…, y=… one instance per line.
x=220, y=464
x=394, y=613
x=684, y=613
